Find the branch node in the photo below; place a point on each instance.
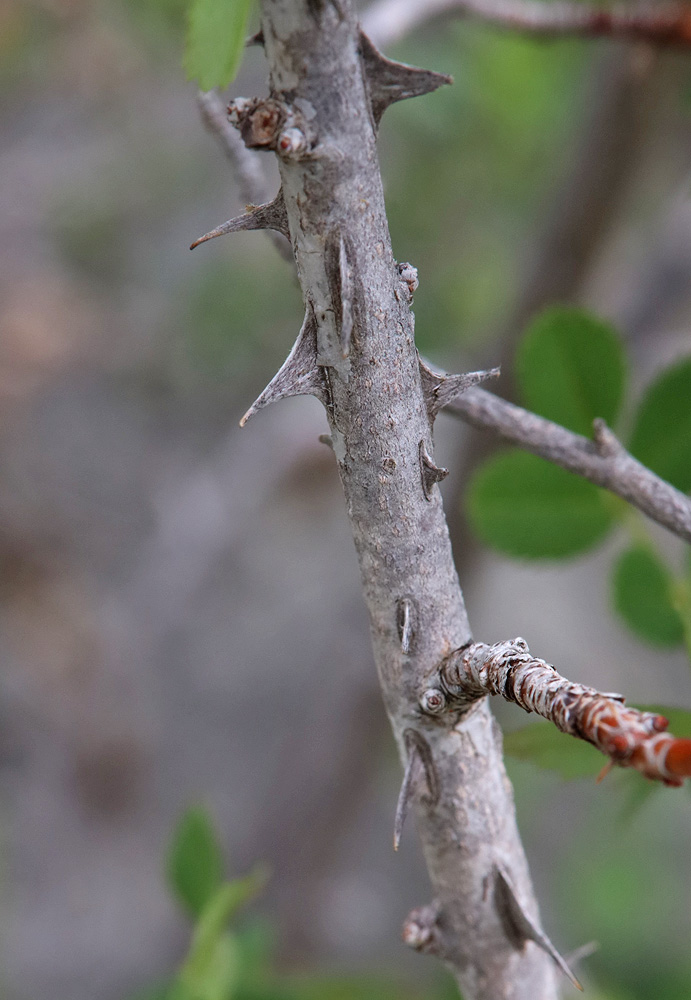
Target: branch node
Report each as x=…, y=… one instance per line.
x=440, y=389
x=519, y=926
x=430, y=473
x=408, y=275
x=433, y=701
x=390, y=81
x=268, y=123
x=300, y=375
x=421, y=929
x=606, y=443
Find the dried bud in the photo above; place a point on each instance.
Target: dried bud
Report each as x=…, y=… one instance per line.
x=292, y=142
x=433, y=701
x=408, y=274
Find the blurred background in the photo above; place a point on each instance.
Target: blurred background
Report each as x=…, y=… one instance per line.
x=179, y=600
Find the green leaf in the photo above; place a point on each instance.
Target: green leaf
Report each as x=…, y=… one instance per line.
x=214, y=978
x=544, y=745
x=662, y=432
x=642, y=590
x=215, y=41
x=194, y=866
x=529, y=508
x=217, y=913
x=570, y=368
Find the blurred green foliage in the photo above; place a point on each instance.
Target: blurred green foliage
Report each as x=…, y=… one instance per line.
x=530, y=509
x=661, y=437
x=215, y=40
x=571, y=368
x=229, y=960
x=643, y=590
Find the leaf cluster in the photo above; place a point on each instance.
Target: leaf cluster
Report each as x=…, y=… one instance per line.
x=571, y=368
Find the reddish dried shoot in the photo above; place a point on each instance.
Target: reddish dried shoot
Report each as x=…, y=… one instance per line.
x=661, y=24
x=630, y=738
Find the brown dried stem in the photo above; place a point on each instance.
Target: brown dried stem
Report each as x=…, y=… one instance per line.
x=666, y=24
x=630, y=738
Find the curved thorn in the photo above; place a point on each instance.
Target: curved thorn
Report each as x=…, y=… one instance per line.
x=440, y=389
x=390, y=81
x=299, y=376
x=520, y=926
x=273, y=215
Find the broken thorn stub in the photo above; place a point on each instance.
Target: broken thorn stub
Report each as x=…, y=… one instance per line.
x=430, y=473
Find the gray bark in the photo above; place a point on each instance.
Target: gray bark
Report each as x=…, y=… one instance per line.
x=356, y=351
x=604, y=461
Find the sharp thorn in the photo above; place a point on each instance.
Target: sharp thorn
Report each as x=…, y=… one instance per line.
x=270, y=216
x=390, y=81
x=418, y=753
x=404, y=796
x=299, y=376
x=440, y=389
x=606, y=443
x=521, y=927
x=429, y=472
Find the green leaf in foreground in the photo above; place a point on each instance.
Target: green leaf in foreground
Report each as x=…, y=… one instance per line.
x=212, y=967
x=194, y=865
x=642, y=591
x=661, y=436
x=544, y=745
x=529, y=508
x=215, y=41
x=570, y=368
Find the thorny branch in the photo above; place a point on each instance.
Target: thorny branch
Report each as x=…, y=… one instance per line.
x=355, y=352
x=604, y=461
x=656, y=23
x=246, y=166
x=628, y=737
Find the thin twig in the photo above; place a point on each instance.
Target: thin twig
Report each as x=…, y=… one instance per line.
x=245, y=162
x=604, y=461
x=663, y=24
x=630, y=738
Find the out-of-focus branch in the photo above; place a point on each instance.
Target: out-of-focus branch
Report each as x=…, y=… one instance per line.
x=660, y=24
x=628, y=737
x=604, y=461
x=245, y=162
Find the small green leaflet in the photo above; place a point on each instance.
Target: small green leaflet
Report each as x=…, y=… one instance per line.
x=215, y=41
x=661, y=436
x=570, y=368
x=526, y=507
x=194, y=865
x=642, y=591
x=542, y=744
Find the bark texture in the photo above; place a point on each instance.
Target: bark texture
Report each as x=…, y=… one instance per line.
x=356, y=351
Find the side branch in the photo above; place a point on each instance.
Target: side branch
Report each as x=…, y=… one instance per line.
x=604, y=461
x=659, y=24
x=628, y=737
